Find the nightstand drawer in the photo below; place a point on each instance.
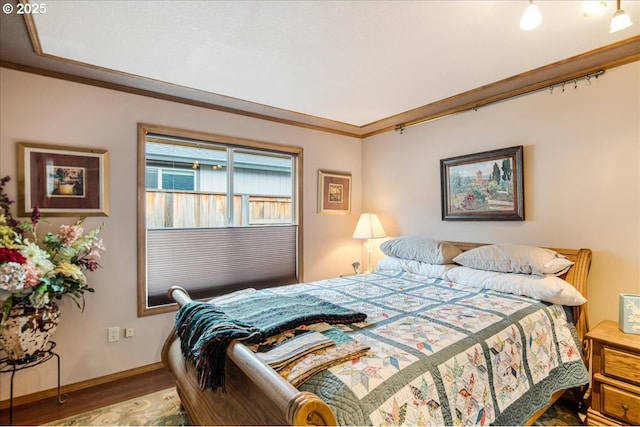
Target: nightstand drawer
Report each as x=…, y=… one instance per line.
x=622, y=365
x=621, y=404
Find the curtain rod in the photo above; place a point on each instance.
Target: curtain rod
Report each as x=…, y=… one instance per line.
x=401, y=127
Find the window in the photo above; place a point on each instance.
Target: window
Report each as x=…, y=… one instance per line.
x=161, y=178
x=215, y=214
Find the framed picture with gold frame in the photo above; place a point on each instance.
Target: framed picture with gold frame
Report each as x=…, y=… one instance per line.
x=334, y=192
x=62, y=181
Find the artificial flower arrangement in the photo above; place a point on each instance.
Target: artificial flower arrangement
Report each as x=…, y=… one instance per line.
x=34, y=272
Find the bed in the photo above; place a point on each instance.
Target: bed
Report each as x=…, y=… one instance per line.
x=508, y=357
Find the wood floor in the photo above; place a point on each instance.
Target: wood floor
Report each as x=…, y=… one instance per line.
x=48, y=410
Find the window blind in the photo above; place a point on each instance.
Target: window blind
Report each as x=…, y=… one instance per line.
x=213, y=261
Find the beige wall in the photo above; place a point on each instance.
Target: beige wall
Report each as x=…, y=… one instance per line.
x=581, y=174
x=582, y=188
x=45, y=110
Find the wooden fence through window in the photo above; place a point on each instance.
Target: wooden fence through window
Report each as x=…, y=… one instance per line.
x=175, y=209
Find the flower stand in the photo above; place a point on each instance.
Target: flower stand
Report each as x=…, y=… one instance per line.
x=12, y=366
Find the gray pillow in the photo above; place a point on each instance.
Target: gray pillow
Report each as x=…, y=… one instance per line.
x=420, y=249
x=510, y=258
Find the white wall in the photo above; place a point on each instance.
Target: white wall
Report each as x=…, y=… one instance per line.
x=581, y=176
x=45, y=110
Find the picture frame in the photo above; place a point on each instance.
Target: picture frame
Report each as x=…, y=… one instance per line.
x=334, y=192
x=62, y=181
x=629, y=313
x=485, y=186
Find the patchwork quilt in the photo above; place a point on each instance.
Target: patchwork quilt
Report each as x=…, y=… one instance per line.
x=444, y=354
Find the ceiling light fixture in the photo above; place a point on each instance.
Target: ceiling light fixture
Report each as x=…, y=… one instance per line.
x=593, y=7
x=620, y=20
x=532, y=17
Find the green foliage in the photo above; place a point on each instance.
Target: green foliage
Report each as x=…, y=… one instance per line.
x=492, y=188
x=456, y=183
x=495, y=175
x=506, y=169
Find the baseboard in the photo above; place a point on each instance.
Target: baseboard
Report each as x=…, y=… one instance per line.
x=45, y=394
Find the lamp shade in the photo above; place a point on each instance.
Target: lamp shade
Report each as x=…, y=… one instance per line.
x=620, y=21
x=369, y=227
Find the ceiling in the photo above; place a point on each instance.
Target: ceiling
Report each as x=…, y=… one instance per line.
x=351, y=66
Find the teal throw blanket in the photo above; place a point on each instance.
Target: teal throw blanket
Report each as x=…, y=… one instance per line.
x=206, y=329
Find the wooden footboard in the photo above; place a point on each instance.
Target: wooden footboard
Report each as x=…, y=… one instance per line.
x=256, y=394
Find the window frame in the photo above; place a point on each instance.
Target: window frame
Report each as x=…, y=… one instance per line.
x=161, y=170
x=240, y=143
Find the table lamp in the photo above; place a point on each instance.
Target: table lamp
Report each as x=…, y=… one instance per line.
x=368, y=227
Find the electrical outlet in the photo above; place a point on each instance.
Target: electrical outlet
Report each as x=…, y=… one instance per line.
x=114, y=334
x=129, y=332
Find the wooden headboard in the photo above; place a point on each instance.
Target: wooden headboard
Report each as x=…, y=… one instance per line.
x=577, y=276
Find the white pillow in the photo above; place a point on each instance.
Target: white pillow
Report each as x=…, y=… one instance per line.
x=412, y=266
x=510, y=258
x=557, y=266
x=420, y=249
x=546, y=288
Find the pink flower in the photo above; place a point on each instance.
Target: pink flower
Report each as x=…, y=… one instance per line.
x=32, y=275
x=69, y=233
x=97, y=247
x=91, y=264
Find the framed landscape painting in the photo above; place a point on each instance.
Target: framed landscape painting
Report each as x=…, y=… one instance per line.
x=486, y=186
x=62, y=181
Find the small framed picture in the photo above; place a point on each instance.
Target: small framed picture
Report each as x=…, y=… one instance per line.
x=485, y=186
x=629, y=313
x=62, y=181
x=334, y=192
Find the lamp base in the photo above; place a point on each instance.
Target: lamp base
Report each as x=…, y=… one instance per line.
x=369, y=249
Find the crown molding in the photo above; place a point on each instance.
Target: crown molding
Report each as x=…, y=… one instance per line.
x=19, y=49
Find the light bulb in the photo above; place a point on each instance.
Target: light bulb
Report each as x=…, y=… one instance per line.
x=532, y=18
x=593, y=7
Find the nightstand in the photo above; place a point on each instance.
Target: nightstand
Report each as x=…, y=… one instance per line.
x=615, y=370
